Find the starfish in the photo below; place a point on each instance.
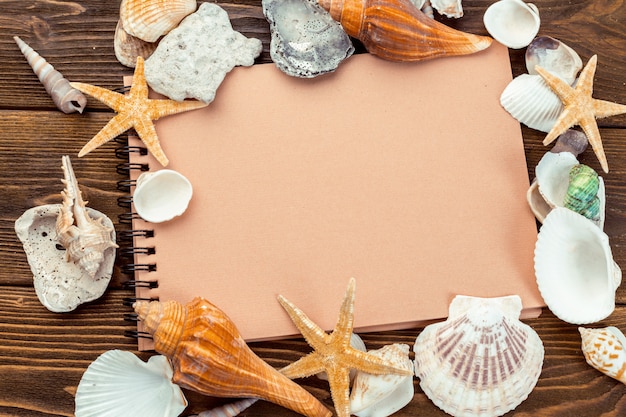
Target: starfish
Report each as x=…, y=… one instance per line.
x=134, y=110
x=333, y=353
x=580, y=108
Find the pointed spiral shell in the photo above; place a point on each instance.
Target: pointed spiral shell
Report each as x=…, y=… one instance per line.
x=65, y=97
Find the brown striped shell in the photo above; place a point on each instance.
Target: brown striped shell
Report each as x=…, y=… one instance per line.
x=604, y=350
x=482, y=360
x=209, y=356
x=397, y=30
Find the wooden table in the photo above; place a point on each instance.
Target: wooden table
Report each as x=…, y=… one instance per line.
x=43, y=355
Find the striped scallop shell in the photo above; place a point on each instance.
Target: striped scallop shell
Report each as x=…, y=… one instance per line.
x=531, y=102
x=150, y=19
x=482, y=361
x=604, y=350
x=119, y=384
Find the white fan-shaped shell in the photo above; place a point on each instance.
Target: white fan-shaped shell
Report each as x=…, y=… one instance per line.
x=383, y=395
x=119, y=384
x=482, y=361
x=150, y=19
x=531, y=101
x=574, y=267
x=513, y=23
x=604, y=349
x=161, y=195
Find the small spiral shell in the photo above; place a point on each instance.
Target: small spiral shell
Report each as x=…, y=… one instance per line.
x=582, y=192
x=228, y=410
x=65, y=97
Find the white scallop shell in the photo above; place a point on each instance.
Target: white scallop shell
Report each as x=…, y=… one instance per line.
x=531, y=101
x=119, y=384
x=383, y=395
x=553, y=56
x=482, y=361
x=150, y=19
x=604, y=350
x=161, y=195
x=574, y=267
x=513, y=23
x=550, y=186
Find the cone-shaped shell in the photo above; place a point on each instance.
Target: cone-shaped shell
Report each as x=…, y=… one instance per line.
x=150, y=19
x=604, y=350
x=209, y=356
x=397, y=30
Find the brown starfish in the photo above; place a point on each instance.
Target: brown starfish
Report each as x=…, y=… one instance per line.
x=333, y=353
x=134, y=110
x=580, y=108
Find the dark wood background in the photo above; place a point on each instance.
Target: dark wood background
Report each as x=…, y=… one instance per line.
x=43, y=354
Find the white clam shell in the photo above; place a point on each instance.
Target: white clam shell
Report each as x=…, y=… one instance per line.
x=513, y=23
x=481, y=361
x=605, y=350
x=449, y=8
x=553, y=56
x=574, y=267
x=383, y=395
x=531, y=101
x=119, y=384
x=161, y=195
x=549, y=188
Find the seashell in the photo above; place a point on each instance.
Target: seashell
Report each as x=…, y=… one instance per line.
x=119, y=384
x=582, y=192
x=572, y=141
x=65, y=97
x=604, y=350
x=449, y=8
x=574, y=267
x=85, y=239
x=396, y=30
x=148, y=20
x=209, y=356
x=128, y=48
x=554, y=56
x=306, y=41
x=228, y=410
x=513, y=23
x=161, y=195
x=531, y=101
x=482, y=361
x=383, y=395
x=425, y=7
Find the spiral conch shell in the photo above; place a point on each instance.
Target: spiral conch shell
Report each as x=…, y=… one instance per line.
x=209, y=356
x=397, y=30
x=84, y=238
x=65, y=97
x=604, y=350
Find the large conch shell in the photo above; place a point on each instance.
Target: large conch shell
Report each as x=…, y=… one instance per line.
x=604, y=350
x=65, y=97
x=85, y=239
x=209, y=356
x=397, y=30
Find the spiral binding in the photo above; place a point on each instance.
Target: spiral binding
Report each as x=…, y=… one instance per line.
x=128, y=250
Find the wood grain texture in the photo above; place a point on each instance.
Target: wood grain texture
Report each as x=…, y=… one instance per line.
x=43, y=354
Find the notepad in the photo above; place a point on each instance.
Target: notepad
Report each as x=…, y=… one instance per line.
x=409, y=177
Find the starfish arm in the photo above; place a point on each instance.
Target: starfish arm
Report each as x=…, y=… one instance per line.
x=147, y=133
x=308, y=365
x=585, y=80
x=160, y=108
x=108, y=97
x=590, y=127
x=371, y=364
x=139, y=87
x=312, y=333
x=562, y=89
x=343, y=328
x=339, y=382
x=567, y=119
x=116, y=126
x=602, y=108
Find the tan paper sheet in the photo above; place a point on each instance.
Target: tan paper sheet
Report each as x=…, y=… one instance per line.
x=409, y=177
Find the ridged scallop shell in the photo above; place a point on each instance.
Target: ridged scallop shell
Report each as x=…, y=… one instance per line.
x=481, y=361
x=128, y=48
x=150, y=19
x=119, y=384
x=604, y=350
x=65, y=97
x=161, y=195
x=554, y=56
x=396, y=30
x=209, y=356
x=531, y=101
x=574, y=267
x=383, y=395
x=513, y=23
